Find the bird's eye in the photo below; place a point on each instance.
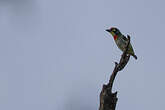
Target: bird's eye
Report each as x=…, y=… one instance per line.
x=117, y=32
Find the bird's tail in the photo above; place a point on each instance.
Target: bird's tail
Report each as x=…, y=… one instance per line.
x=134, y=56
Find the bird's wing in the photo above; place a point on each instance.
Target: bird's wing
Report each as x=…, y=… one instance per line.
x=125, y=38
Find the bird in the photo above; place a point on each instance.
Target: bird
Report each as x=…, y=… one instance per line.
x=121, y=41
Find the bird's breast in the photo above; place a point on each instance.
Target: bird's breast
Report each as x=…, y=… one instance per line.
x=120, y=43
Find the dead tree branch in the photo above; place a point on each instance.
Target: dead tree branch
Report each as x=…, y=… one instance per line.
x=108, y=99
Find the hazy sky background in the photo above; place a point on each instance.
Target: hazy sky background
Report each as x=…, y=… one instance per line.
x=56, y=54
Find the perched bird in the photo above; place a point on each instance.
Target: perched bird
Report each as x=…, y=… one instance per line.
x=121, y=41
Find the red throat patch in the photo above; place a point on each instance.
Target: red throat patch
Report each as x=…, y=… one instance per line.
x=115, y=37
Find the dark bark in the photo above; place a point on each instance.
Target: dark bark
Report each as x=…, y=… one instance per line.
x=108, y=99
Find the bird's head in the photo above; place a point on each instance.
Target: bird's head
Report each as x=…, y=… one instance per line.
x=114, y=31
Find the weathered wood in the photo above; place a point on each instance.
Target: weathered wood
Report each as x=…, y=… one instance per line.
x=108, y=99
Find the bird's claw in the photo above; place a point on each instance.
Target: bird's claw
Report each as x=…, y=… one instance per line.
x=116, y=63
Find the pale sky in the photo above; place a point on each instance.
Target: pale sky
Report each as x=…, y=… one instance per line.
x=56, y=54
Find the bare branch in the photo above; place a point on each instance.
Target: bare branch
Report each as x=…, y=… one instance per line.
x=108, y=99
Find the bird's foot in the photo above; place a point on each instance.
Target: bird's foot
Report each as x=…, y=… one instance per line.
x=116, y=63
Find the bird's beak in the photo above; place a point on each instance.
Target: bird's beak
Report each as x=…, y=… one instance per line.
x=108, y=30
